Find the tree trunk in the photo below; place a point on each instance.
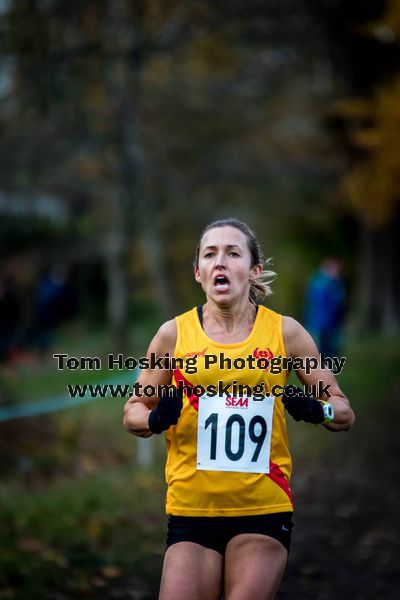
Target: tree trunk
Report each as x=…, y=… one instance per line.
x=117, y=275
x=390, y=311
x=377, y=309
x=123, y=80
x=137, y=177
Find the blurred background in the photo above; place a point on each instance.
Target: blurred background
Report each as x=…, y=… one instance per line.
x=126, y=126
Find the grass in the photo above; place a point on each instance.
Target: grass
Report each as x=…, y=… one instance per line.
x=73, y=534
x=37, y=378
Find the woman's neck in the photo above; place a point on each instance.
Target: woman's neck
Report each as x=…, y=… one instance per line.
x=229, y=319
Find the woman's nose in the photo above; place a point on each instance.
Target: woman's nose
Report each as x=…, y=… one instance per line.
x=220, y=260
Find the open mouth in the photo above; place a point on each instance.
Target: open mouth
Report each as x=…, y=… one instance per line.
x=221, y=282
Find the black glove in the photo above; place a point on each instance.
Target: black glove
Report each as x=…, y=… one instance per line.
x=166, y=412
x=302, y=407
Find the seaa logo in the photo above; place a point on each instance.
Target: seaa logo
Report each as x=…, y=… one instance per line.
x=232, y=402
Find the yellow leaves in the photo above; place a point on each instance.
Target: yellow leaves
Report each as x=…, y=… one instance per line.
x=107, y=572
x=371, y=193
x=157, y=70
x=161, y=15
x=367, y=139
x=51, y=555
x=207, y=55
x=90, y=167
x=387, y=29
x=89, y=464
x=147, y=481
x=392, y=17
x=110, y=571
x=94, y=527
x=96, y=98
x=352, y=108
x=35, y=546
x=373, y=185
x=211, y=54
x=68, y=431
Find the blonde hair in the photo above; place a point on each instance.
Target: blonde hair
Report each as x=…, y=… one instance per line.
x=260, y=287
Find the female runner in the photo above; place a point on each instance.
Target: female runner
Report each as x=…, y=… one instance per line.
x=228, y=462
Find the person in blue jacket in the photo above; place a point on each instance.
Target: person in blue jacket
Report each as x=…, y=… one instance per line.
x=325, y=306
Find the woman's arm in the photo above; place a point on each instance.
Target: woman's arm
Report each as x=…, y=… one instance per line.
x=138, y=408
x=300, y=344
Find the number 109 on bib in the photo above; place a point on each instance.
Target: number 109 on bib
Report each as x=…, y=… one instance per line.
x=234, y=436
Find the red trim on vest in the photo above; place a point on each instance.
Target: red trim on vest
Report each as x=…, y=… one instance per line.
x=193, y=399
x=278, y=477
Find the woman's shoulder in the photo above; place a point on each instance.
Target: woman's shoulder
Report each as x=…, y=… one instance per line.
x=168, y=331
x=290, y=326
x=165, y=339
x=295, y=336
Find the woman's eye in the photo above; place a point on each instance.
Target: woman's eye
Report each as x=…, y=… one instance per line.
x=209, y=254
x=234, y=254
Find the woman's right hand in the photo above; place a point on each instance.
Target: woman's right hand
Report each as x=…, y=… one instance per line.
x=138, y=409
x=166, y=413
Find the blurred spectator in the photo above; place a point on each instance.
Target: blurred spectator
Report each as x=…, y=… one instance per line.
x=10, y=313
x=325, y=306
x=53, y=304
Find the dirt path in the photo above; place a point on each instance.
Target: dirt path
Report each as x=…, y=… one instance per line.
x=346, y=541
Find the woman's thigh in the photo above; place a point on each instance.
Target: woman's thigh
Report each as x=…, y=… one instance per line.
x=254, y=567
x=191, y=572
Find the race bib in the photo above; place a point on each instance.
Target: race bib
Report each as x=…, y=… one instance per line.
x=234, y=434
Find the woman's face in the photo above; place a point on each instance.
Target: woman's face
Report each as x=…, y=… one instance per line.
x=224, y=267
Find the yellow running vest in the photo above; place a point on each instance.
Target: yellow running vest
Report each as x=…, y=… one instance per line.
x=240, y=441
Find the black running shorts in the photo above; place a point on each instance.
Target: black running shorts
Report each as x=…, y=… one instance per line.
x=216, y=532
